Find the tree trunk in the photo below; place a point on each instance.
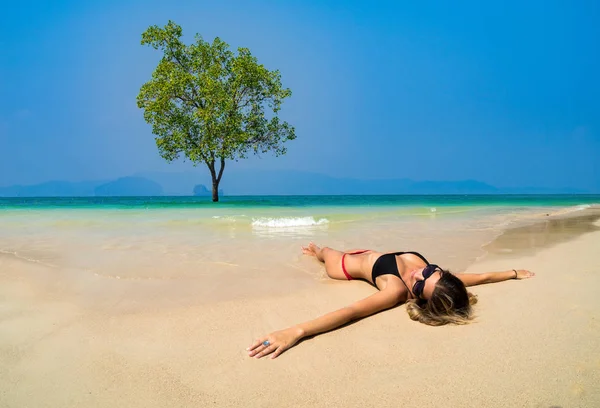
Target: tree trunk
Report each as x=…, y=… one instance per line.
x=215, y=190
x=216, y=178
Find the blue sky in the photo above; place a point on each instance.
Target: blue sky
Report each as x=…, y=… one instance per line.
x=506, y=93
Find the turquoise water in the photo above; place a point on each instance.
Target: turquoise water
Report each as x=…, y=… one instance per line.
x=273, y=212
x=299, y=201
x=176, y=237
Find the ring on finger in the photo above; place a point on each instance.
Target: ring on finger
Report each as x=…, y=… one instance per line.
x=266, y=343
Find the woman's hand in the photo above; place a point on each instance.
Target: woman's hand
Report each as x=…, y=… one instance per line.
x=523, y=274
x=275, y=343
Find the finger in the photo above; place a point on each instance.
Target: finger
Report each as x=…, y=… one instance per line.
x=266, y=351
x=277, y=352
x=256, y=344
x=528, y=274
x=256, y=350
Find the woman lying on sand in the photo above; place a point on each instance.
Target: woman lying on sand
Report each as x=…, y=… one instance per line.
x=434, y=296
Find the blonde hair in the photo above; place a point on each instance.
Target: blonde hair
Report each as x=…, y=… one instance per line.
x=450, y=303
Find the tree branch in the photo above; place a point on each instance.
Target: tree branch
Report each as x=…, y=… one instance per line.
x=186, y=69
x=211, y=167
x=202, y=155
x=221, y=169
x=242, y=94
x=261, y=138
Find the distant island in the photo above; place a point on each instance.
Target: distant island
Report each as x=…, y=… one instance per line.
x=200, y=190
x=257, y=182
x=129, y=186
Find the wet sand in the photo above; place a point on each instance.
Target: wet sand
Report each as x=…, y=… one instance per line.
x=70, y=340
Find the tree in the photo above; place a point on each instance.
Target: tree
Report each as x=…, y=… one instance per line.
x=210, y=105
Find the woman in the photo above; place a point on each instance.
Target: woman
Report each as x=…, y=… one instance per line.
x=433, y=296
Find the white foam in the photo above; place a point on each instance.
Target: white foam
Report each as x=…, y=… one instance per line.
x=25, y=258
x=287, y=222
x=228, y=218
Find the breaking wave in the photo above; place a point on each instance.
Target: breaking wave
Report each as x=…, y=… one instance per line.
x=288, y=222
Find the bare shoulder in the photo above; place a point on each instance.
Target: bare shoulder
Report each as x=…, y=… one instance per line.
x=396, y=290
x=393, y=288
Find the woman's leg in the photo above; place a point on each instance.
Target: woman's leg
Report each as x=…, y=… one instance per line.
x=331, y=258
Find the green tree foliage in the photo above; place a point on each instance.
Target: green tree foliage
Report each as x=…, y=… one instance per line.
x=210, y=105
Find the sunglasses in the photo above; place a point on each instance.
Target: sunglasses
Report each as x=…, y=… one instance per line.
x=419, y=286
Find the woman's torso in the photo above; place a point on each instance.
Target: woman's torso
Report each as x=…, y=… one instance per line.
x=361, y=266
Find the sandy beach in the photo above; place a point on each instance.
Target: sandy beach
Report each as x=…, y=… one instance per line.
x=170, y=170
x=87, y=340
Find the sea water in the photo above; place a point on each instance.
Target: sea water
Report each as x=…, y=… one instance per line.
x=192, y=238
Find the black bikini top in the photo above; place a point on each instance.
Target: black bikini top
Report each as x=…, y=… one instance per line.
x=386, y=265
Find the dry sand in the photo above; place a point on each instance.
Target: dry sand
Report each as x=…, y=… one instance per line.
x=72, y=341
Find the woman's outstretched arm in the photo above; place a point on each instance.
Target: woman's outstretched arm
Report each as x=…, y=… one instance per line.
x=282, y=340
x=473, y=279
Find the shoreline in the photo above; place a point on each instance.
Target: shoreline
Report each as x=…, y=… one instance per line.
x=541, y=231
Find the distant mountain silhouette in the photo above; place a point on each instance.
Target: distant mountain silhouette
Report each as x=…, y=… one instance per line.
x=129, y=186
x=52, y=189
x=452, y=187
x=258, y=182
x=542, y=190
x=201, y=190
x=305, y=183
x=177, y=183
